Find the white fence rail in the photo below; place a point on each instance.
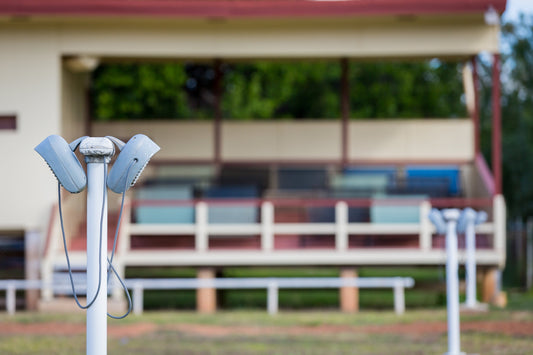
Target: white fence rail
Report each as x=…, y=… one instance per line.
x=271, y=284
x=11, y=287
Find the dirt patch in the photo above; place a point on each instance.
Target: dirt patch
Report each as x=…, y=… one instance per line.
x=42, y=328
x=512, y=328
x=131, y=330
x=53, y=328
x=501, y=327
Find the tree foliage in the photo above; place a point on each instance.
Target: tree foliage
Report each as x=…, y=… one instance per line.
x=278, y=90
x=147, y=91
x=265, y=90
x=406, y=90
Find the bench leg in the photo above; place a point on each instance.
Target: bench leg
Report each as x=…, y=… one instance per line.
x=399, y=298
x=11, y=299
x=138, y=299
x=272, y=298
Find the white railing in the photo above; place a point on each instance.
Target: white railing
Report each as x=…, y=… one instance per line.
x=341, y=228
x=271, y=284
x=11, y=287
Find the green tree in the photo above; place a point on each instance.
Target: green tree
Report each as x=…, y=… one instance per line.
x=406, y=90
x=265, y=90
x=139, y=91
x=278, y=89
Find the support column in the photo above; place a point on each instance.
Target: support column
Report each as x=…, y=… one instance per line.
x=206, y=297
x=345, y=109
x=217, y=89
x=88, y=123
x=490, y=290
x=496, y=126
x=32, y=267
x=349, y=295
x=475, y=114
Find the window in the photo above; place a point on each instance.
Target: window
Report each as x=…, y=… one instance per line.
x=8, y=122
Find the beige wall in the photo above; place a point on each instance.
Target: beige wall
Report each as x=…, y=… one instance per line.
x=178, y=140
x=450, y=139
x=283, y=38
x=30, y=88
x=281, y=140
x=369, y=140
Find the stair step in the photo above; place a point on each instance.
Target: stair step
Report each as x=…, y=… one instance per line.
x=79, y=243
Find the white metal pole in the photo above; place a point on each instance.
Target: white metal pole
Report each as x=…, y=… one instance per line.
x=471, y=288
x=98, y=152
x=467, y=224
x=452, y=281
x=96, y=260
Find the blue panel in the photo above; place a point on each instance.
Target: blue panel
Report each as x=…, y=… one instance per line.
x=370, y=183
x=302, y=179
x=231, y=213
x=355, y=214
x=383, y=212
x=367, y=180
x=390, y=171
x=427, y=175
x=321, y=214
x=164, y=214
x=358, y=214
x=327, y=214
x=395, y=214
x=231, y=192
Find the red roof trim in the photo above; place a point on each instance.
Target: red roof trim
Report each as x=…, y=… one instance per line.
x=243, y=8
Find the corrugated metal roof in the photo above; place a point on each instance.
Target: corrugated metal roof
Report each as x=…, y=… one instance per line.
x=244, y=8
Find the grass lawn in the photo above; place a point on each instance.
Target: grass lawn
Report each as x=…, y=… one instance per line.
x=255, y=332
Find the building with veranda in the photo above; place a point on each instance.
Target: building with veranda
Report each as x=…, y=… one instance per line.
x=221, y=193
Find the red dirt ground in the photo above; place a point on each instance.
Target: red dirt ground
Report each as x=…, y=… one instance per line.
x=511, y=327
x=501, y=327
